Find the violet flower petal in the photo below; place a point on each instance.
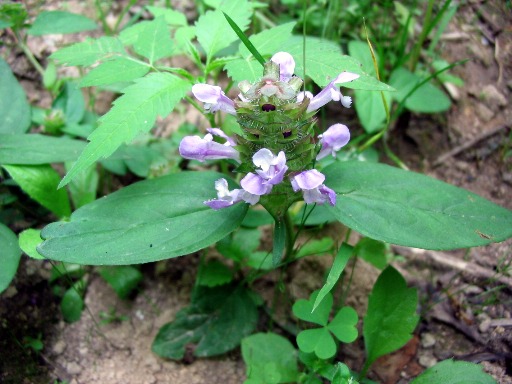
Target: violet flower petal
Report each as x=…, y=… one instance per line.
x=255, y=184
x=307, y=180
x=195, y=148
x=286, y=65
x=220, y=133
x=214, y=98
x=333, y=139
x=331, y=92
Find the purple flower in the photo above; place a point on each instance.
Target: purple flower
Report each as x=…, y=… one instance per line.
x=310, y=182
x=286, y=65
x=226, y=198
x=271, y=172
x=214, y=98
x=330, y=92
x=332, y=140
x=195, y=148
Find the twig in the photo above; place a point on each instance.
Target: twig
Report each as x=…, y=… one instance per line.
x=468, y=144
x=449, y=261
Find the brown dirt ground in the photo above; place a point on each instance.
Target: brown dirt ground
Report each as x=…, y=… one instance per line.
x=465, y=315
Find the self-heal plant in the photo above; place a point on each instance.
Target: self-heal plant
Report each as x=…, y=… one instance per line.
x=277, y=146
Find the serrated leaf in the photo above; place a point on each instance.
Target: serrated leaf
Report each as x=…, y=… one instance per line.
x=113, y=71
x=154, y=40
x=260, y=359
x=410, y=209
x=171, y=16
x=38, y=149
x=340, y=261
x=90, y=51
x=51, y=22
x=454, y=372
x=213, y=31
x=147, y=221
x=9, y=257
x=123, y=279
x=343, y=326
x=28, y=240
x=14, y=108
x=40, y=183
x=205, y=322
x=427, y=98
x=214, y=273
x=136, y=111
x=391, y=316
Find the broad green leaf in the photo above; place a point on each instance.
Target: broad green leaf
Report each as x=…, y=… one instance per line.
x=38, y=149
x=147, y=221
x=343, y=326
x=205, y=321
x=317, y=340
x=407, y=208
x=171, y=16
x=154, y=40
x=370, y=109
x=337, y=268
x=214, y=273
x=425, y=99
x=9, y=256
x=303, y=309
x=360, y=51
x=90, y=51
x=136, y=111
x=140, y=159
x=83, y=187
x=372, y=251
x=213, y=30
x=114, y=71
x=50, y=22
x=14, y=108
x=324, y=61
x=29, y=239
x=318, y=216
x=72, y=304
x=123, y=279
x=391, y=316
x=256, y=218
x=267, y=43
x=40, y=183
x=316, y=247
x=454, y=372
x=261, y=361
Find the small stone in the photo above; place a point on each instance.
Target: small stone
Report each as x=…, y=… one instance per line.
x=427, y=361
x=11, y=291
x=73, y=368
x=427, y=340
x=483, y=112
x=484, y=326
x=83, y=351
x=59, y=347
x=493, y=97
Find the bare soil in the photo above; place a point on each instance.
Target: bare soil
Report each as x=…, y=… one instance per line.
x=466, y=311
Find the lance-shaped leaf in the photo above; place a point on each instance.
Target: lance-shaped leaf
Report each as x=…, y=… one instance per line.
x=14, y=108
x=89, y=51
x=407, y=208
x=133, y=113
x=60, y=22
x=9, y=257
x=148, y=221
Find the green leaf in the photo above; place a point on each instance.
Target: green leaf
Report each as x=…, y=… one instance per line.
x=317, y=340
x=245, y=40
x=114, y=71
x=214, y=273
x=426, y=99
x=262, y=361
x=50, y=22
x=147, y=221
x=71, y=101
x=407, y=208
x=303, y=309
x=90, y=51
x=316, y=247
x=38, y=149
x=154, y=40
x=279, y=241
x=123, y=279
x=83, y=187
x=318, y=216
x=391, y=316
x=454, y=372
x=344, y=325
x=213, y=311
x=136, y=111
x=72, y=304
x=29, y=239
x=267, y=43
x=214, y=32
x=370, y=109
x=372, y=251
x=171, y=16
x=337, y=268
x=9, y=257
x=14, y=108
x=40, y=183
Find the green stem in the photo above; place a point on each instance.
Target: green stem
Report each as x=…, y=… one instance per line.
x=423, y=35
x=28, y=53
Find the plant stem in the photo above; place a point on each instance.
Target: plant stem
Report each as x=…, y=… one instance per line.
x=29, y=54
x=423, y=35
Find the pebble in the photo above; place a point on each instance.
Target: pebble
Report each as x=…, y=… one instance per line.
x=427, y=361
x=59, y=347
x=427, y=340
x=73, y=368
x=483, y=112
x=493, y=97
x=484, y=326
